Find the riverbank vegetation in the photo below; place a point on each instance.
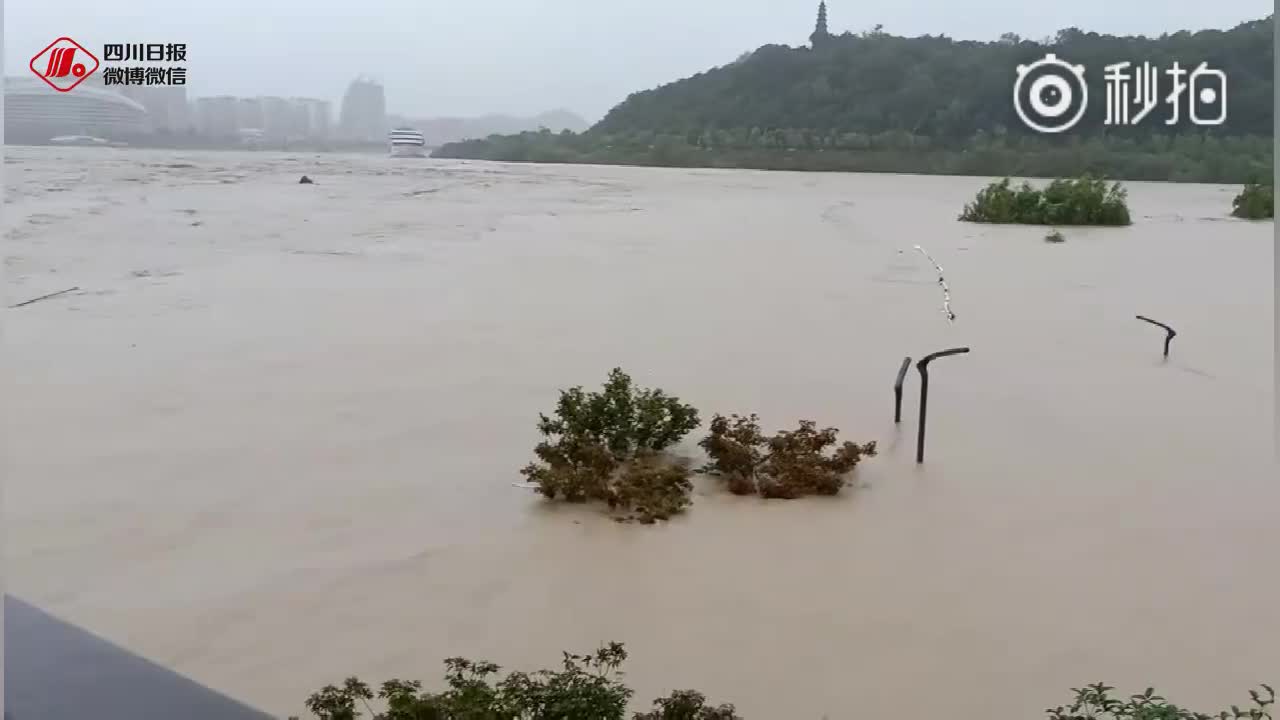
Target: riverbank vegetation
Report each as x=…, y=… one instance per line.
x=588, y=687
x=1083, y=201
x=1155, y=157
x=1255, y=202
x=876, y=102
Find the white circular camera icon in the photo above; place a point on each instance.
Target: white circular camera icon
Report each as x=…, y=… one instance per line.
x=1051, y=95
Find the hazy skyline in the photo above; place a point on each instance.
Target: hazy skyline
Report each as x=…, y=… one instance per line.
x=522, y=58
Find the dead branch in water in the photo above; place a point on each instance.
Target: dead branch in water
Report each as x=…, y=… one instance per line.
x=942, y=282
x=45, y=297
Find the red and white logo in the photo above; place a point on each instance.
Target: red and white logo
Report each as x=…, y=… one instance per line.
x=64, y=64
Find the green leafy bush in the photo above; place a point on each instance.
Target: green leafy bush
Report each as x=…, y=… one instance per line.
x=1084, y=201
x=787, y=465
x=587, y=687
x=1095, y=702
x=607, y=446
x=1255, y=202
x=687, y=705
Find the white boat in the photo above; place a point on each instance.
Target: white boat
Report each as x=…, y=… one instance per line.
x=406, y=142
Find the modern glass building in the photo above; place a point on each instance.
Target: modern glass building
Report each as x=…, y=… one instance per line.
x=36, y=113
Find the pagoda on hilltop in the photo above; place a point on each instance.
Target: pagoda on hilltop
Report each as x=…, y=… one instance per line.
x=820, y=33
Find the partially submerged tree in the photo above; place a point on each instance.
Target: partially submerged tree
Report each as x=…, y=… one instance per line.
x=1083, y=201
x=1255, y=202
x=788, y=465
x=607, y=446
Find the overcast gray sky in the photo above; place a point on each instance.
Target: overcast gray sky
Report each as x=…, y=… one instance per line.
x=526, y=56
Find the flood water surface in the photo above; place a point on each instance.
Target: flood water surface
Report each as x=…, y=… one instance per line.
x=271, y=441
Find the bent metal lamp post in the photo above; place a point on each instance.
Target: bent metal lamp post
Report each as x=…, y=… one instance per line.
x=1169, y=332
x=923, y=367
x=897, y=389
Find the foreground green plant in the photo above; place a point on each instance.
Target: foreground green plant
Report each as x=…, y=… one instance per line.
x=587, y=687
x=1095, y=702
x=687, y=705
x=790, y=464
x=1255, y=202
x=1084, y=201
x=607, y=446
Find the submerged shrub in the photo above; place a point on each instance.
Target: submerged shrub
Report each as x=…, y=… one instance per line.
x=1055, y=236
x=607, y=446
x=790, y=464
x=652, y=488
x=1083, y=201
x=1255, y=202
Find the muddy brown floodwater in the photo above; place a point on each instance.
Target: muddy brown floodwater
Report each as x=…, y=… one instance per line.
x=270, y=442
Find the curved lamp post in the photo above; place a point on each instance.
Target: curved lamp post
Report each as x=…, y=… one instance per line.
x=897, y=389
x=1169, y=332
x=923, y=367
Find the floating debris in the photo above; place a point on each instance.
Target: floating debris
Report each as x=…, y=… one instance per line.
x=45, y=297
x=942, y=282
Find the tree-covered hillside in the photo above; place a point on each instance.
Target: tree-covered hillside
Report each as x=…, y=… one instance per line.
x=878, y=102
x=940, y=88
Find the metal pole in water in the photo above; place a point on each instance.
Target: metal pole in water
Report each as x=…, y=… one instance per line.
x=897, y=389
x=1169, y=332
x=923, y=367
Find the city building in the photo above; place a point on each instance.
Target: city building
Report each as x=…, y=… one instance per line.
x=218, y=117
x=117, y=112
x=250, y=114
x=321, y=118
x=277, y=114
x=311, y=117
x=36, y=113
x=166, y=105
x=364, y=111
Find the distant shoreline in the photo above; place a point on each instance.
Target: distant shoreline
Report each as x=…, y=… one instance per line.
x=1232, y=161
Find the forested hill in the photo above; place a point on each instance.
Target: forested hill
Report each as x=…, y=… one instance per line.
x=936, y=87
x=874, y=102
